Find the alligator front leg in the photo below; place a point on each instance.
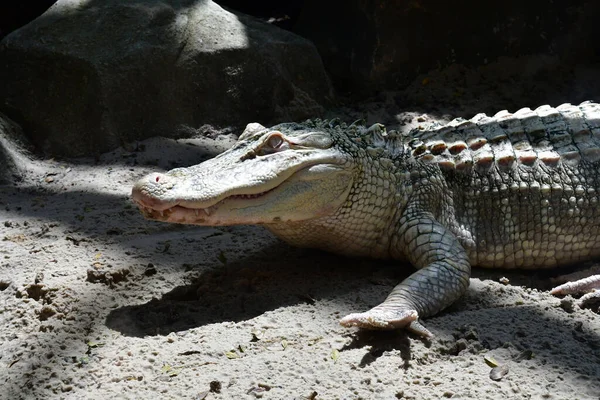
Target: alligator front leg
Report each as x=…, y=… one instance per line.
x=443, y=277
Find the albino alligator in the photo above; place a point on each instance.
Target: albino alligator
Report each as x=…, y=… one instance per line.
x=512, y=191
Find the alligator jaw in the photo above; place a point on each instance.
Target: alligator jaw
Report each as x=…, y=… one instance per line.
x=183, y=212
x=310, y=192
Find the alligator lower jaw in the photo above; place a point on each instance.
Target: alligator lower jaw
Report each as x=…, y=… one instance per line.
x=190, y=215
x=176, y=214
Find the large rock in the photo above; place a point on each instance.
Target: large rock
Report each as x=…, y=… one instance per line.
x=381, y=44
x=15, y=160
x=89, y=75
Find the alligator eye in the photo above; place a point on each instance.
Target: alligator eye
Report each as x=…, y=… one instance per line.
x=275, y=141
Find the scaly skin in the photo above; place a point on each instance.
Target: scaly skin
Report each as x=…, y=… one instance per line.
x=510, y=191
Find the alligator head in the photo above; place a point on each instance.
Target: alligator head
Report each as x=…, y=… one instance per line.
x=286, y=173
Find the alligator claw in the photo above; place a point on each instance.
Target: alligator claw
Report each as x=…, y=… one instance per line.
x=387, y=319
x=589, y=285
x=584, y=285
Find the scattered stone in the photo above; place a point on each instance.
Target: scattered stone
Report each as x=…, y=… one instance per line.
x=568, y=304
x=107, y=277
x=499, y=372
x=215, y=386
x=150, y=270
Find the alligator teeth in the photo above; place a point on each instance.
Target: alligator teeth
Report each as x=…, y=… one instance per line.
x=248, y=196
x=196, y=211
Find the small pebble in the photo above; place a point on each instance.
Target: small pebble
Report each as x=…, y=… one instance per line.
x=498, y=373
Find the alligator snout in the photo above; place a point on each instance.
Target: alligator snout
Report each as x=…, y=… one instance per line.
x=150, y=191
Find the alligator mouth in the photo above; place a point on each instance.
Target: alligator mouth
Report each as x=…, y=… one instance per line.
x=180, y=213
x=274, y=203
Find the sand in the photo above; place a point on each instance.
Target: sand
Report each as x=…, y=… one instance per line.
x=98, y=303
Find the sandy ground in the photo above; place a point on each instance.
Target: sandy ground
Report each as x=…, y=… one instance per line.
x=98, y=303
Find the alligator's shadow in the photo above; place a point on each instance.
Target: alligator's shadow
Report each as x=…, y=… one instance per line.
x=275, y=277
x=278, y=276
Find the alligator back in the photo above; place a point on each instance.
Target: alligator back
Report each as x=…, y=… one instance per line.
x=524, y=186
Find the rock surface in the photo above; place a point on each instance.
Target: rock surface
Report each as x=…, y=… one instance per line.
x=14, y=158
x=88, y=76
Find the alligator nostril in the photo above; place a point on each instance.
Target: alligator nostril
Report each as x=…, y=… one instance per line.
x=157, y=178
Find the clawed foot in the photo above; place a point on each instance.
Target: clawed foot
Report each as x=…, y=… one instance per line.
x=387, y=319
x=589, y=285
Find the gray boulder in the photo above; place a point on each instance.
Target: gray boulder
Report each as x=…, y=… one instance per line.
x=90, y=75
x=15, y=160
